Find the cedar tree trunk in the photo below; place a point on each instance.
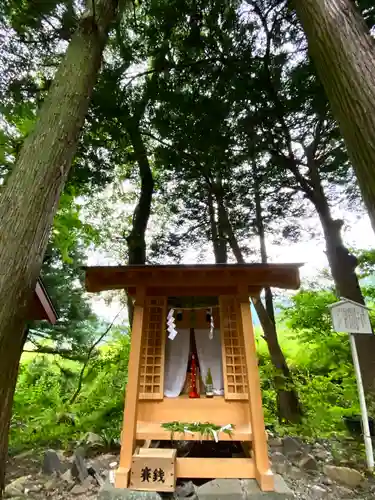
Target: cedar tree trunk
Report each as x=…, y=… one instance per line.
x=136, y=240
x=289, y=407
x=30, y=197
x=344, y=55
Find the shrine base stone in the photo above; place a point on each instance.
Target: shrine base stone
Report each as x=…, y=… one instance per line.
x=253, y=492
x=218, y=489
x=243, y=489
x=109, y=492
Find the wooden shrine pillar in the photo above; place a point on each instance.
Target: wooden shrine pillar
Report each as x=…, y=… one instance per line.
x=131, y=396
x=263, y=472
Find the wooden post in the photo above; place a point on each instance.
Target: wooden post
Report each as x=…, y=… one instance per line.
x=263, y=472
x=131, y=397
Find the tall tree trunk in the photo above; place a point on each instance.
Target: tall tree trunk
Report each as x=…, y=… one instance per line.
x=262, y=246
x=343, y=264
x=287, y=400
x=344, y=55
x=29, y=199
x=289, y=408
x=218, y=238
x=136, y=239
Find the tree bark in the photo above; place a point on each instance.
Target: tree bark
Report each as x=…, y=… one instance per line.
x=136, y=239
x=262, y=245
x=30, y=197
x=218, y=238
x=344, y=55
x=289, y=408
x=343, y=265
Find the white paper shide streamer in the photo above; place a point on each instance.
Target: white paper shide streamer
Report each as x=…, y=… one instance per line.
x=212, y=326
x=216, y=433
x=171, y=326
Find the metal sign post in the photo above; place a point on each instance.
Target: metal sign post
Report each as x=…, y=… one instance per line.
x=351, y=317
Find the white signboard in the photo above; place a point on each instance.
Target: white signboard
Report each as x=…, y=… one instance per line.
x=350, y=317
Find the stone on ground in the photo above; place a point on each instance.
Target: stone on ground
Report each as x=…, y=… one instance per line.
x=16, y=488
x=280, y=464
x=184, y=490
x=79, y=469
x=253, y=492
x=225, y=489
x=343, y=475
x=308, y=463
x=109, y=492
x=317, y=492
x=291, y=446
x=51, y=462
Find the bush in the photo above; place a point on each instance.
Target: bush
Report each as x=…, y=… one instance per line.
x=42, y=412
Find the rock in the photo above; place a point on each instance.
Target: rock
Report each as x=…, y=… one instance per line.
x=67, y=477
x=280, y=464
x=275, y=442
x=343, y=475
x=95, y=473
x=253, y=492
x=51, y=462
x=322, y=455
x=344, y=492
x=317, y=491
x=327, y=481
x=51, y=484
x=185, y=490
x=291, y=446
x=308, y=463
x=93, y=441
x=109, y=492
x=226, y=489
x=78, y=489
x=296, y=457
x=16, y=487
x=295, y=473
x=24, y=454
x=79, y=469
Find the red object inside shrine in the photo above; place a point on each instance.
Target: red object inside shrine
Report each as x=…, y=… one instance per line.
x=193, y=394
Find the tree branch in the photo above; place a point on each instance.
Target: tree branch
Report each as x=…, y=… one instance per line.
x=80, y=380
x=63, y=353
x=176, y=68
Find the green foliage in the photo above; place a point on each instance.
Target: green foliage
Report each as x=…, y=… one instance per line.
x=205, y=429
x=42, y=413
x=309, y=318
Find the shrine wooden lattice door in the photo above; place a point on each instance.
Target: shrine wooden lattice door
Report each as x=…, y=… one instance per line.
x=151, y=380
x=233, y=349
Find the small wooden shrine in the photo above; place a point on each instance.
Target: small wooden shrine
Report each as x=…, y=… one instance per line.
x=172, y=305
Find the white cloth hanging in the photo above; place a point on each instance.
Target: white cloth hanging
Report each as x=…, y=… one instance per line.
x=209, y=356
x=176, y=361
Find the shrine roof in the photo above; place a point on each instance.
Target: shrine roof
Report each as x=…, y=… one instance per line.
x=41, y=305
x=199, y=279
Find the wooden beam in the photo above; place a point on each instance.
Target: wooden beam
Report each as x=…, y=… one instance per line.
x=260, y=275
x=131, y=397
x=207, y=468
x=262, y=466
